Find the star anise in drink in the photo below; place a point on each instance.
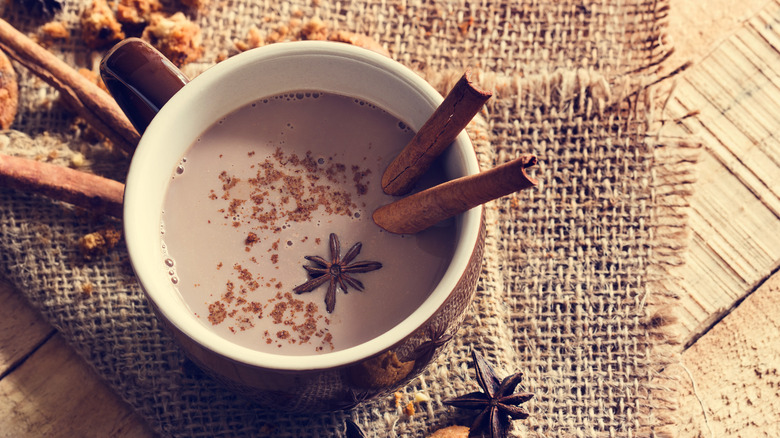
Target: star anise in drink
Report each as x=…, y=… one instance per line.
x=498, y=401
x=337, y=272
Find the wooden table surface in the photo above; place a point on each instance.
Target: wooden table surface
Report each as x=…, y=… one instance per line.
x=730, y=302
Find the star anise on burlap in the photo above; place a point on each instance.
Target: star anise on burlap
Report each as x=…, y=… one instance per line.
x=497, y=400
x=337, y=272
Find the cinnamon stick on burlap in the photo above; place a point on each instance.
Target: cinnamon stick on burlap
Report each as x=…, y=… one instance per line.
x=62, y=183
x=92, y=103
x=419, y=211
x=462, y=103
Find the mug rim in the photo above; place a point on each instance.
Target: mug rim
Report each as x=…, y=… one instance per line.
x=137, y=211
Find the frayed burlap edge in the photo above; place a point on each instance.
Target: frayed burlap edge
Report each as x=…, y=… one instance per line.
x=670, y=187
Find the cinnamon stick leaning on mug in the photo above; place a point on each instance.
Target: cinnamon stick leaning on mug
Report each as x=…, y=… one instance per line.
x=462, y=103
x=82, y=189
x=421, y=210
x=84, y=97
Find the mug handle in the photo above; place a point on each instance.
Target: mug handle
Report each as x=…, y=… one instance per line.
x=141, y=80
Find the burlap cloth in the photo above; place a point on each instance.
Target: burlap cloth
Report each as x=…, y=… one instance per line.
x=577, y=274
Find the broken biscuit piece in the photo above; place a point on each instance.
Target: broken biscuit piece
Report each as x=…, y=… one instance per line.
x=178, y=38
x=99, y=26
x=98, y=243
x=136, y=14
x=54, y=31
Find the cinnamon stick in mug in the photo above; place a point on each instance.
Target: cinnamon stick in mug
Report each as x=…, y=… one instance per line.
x=419, y=211
x=456, y=111
x=62, y=183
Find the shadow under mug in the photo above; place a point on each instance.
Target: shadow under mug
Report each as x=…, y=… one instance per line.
x=153, y=92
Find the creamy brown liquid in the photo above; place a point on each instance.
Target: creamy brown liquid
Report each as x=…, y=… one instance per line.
x=265, y=187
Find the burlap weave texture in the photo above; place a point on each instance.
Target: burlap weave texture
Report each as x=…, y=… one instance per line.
x=576, y=270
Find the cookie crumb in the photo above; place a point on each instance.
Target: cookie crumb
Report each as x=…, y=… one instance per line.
x=136, y=14
x=54, y=31
x=379, y=371
x=253, y=40
x=314, y=29
x=99, y=26
x=359, y=40
x=451, y=432
x=98, y=243
x=421, y=397
x=86, y=289
x=77, y=160
x=178, y=38
x=409, y=409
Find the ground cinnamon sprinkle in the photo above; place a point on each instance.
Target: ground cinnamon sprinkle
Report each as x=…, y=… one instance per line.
x=303, y=321
x=278, y=313
x=246, y=276
x=358, y=177
x=254, y=307
x=289, y=188
x=228, y=183
x=250, y=240
x=217, y=313
x=285, y=188
x=235, y=205
x=228, y=296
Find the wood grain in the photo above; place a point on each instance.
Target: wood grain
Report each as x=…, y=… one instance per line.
x=736, y=204
x=696, y=27
x=22, y=330
x=731, y=377
x=729, y=372
x=46, y=389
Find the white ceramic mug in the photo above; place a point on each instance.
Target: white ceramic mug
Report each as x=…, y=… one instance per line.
x=319, y=382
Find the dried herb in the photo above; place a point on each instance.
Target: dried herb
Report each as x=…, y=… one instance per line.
x=336, y=271
x=353, y=430
x=498, y=402
x=42, y=7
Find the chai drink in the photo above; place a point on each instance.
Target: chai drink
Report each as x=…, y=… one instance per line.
x=265, y=187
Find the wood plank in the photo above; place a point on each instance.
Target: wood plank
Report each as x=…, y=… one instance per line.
x=55, y=394
x=750, y=103
x=696, y=26
x=731, y=249
x=735, y=209
x=22, y=329
x=730, y=378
